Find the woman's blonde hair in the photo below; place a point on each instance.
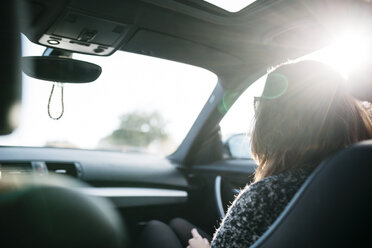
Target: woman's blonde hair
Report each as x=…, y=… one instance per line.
x=305, y=114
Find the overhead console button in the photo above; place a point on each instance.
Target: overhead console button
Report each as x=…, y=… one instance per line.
x=53, y=42
x=87, y=35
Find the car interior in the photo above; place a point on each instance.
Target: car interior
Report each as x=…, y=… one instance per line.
x=72, y=196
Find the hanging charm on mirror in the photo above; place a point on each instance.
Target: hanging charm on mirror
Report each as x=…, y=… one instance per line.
x=58, y=85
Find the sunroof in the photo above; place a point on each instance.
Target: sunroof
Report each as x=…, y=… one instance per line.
x=231, y=5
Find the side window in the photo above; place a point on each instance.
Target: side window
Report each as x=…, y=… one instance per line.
x=236, y=126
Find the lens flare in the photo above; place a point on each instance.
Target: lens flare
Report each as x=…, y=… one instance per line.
x=347, y=52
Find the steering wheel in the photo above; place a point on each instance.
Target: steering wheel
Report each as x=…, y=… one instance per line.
x=220, y=191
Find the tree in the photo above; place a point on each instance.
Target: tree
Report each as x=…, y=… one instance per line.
x=138, y=129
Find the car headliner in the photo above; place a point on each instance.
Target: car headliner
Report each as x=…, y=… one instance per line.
x=264, y=34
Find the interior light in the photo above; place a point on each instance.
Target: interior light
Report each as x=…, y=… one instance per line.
x=231, y=5
x=346, y=53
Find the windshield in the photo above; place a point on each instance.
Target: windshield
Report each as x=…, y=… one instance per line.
x=139, y=103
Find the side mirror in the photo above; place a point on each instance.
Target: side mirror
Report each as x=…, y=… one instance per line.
x=238, y=146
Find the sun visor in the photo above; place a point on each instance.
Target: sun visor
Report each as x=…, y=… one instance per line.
x=171, y=48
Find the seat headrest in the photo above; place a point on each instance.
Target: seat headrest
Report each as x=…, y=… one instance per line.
x=53, y=212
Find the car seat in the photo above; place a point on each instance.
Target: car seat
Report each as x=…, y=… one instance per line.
x=52, y=211
x=332, y=208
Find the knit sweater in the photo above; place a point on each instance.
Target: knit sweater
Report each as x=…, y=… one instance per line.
x=256, y=208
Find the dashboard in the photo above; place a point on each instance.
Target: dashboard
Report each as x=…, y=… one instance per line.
x=127, y=179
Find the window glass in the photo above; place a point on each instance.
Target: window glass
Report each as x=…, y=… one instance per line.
x=231, y=6
x=139, y=103
x=239, y=120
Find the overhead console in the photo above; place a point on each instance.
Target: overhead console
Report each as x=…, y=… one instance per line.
x=63, y=25
x=79, y=32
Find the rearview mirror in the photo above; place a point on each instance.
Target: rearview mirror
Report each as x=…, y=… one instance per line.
x=59, y=69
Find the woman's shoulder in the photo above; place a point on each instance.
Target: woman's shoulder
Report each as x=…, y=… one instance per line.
x=295, y=176
x=257, y=207
x=277, y=187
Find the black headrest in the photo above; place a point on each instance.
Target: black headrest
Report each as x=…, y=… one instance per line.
x=333, y=208
x=53, y=212
x=10, y=85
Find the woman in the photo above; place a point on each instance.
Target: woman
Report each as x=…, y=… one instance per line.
x=304, y=115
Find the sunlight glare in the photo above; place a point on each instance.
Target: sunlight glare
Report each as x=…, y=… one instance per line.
x=347, y=52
